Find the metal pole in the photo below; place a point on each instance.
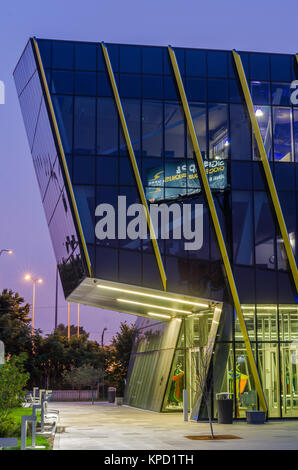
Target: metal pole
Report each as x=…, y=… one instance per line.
x=68, y=329
x=56, y=300
x=33, y=312
x=102, y=336
x=185, y=405
x=78, y=320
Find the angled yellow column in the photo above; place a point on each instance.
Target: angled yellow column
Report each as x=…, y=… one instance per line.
x=266, y=166
x=134, y=166
x=52, y=119
x=217, y=228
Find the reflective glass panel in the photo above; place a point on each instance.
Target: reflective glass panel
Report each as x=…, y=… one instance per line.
x=260, y=92
x=195, y=63
x=242, y=227
x=199, y=115
x=107, y=127
x=174, y=130
x=281, y=93
x=152, y=86
x=259, y=66
x=263, y=115
x=132, y=113
x=63, y=106
x=219, y=142
x=62, y=81
x=264, y=232
x=152, y=60
x=84, y=125
x=85, y=83
x=152, y=128
x=282, y=134
x=85, y=56
x=240, y=133
x=62, y=55
x=217, y=90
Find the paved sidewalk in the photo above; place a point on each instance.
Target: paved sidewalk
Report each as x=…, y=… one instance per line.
x=109, y=427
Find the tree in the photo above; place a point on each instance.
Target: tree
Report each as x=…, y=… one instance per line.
x=62, y=330
x=84, y=376
x=14, y=322
x=12, y=382
x=201, y=365
x=119, y=356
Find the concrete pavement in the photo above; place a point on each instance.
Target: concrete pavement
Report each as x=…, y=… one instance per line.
x=110, y=427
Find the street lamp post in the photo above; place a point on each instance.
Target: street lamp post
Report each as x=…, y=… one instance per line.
x=68, y=320
x=34, y=280
x=5, y=250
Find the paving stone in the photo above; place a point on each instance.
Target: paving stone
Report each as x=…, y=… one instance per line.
x=127, y=428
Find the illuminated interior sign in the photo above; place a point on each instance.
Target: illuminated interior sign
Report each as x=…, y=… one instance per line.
x=180, y=178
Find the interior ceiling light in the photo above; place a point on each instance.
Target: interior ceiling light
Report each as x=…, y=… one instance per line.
x=259, y=112
x=170, y=299
x=259, y=307
x=287, y=308
x=152, y=306
x=161, y=315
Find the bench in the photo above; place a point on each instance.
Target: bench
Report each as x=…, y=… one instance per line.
x=7, y=442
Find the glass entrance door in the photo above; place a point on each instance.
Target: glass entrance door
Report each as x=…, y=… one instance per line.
x=289, y=374
x=269, y=371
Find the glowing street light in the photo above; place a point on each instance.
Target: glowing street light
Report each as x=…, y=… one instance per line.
x=9, y=252
x=38, y=280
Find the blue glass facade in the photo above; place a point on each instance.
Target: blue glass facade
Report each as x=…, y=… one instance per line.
x=100, y=170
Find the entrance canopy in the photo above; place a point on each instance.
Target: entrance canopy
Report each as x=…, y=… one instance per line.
x=135, y=300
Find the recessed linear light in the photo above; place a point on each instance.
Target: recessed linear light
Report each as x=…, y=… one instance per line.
x=288, y=308
x=152, y=306
x=244, y=307
x=171, y=299
x=161, y=315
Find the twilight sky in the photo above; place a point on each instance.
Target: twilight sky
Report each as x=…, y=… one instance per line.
x=254, y=25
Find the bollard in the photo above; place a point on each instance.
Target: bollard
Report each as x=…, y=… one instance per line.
x=34, y=408
x=35, y=395
x=185, y=405
x=43, y=405
x=25, y=419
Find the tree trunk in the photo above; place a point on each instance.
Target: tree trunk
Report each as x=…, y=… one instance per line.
x=209, y=417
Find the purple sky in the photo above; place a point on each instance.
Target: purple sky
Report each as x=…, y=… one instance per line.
x=253, y=25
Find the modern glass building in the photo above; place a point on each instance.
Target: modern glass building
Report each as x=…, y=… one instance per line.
x=198, y=128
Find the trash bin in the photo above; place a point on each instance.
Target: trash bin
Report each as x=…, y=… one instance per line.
x=224, y=402
x=111, y=394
